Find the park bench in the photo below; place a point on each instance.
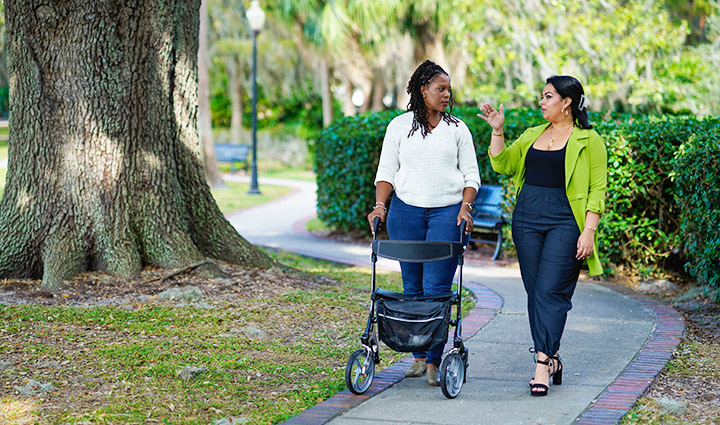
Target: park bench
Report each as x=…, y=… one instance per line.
x=488, y=216
x=232, y=154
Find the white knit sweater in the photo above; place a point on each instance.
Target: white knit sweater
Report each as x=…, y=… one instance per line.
x=430, y=172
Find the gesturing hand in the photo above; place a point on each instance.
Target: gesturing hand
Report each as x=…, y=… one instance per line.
x=496, y=118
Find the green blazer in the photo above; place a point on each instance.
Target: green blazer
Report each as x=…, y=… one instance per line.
x=585, y=174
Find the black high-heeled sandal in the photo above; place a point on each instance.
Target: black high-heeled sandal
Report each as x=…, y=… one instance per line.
x=542, y=387
x=555, y=374
x=556, y=380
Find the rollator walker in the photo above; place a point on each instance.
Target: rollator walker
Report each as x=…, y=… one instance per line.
x=411, y=323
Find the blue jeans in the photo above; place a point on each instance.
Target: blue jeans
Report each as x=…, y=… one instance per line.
x=406, y=222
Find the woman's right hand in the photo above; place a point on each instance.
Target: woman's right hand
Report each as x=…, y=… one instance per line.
x=496, y=118
x=376, y=212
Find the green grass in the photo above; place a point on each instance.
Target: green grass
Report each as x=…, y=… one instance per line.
x=316, y=225
x=277, y=172
x=119, y=365
x=235, y=196
x=289, y=173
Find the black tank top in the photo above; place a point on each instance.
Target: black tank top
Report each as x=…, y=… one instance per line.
x=545, y=168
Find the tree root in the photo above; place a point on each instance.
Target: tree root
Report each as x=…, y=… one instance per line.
x=212, y=271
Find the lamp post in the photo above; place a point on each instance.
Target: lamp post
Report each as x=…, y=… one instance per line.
x=256, y=19
x=358, y=99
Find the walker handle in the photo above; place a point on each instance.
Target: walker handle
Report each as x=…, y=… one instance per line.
x=375, y=226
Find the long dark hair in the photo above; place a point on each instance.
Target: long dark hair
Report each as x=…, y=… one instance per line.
x=568, y=86
x=421, y=77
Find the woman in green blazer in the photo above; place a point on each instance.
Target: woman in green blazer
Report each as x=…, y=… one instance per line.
x=560, y=172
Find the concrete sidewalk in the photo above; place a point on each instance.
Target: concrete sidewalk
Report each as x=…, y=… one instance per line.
x=614, y=344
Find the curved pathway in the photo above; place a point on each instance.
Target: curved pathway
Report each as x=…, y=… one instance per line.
x=614, y=345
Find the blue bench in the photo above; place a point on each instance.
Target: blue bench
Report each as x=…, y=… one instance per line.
x=232, y=154
x=488, y=216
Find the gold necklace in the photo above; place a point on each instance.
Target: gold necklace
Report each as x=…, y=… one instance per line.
x=552, y=139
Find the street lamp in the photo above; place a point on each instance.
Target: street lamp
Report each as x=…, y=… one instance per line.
x=357, y=99
x=256, y=19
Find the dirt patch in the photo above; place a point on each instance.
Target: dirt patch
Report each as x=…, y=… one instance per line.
x=97, y=289
x=702, y=320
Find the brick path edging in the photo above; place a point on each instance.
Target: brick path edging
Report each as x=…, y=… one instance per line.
x=487, y=305
x=634, y=381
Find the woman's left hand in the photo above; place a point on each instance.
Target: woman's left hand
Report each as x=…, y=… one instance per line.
x=465, y=215
x=585, y=244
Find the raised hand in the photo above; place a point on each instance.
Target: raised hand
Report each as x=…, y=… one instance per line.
x=496, y=118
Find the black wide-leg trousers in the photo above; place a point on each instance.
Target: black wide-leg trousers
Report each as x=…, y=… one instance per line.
x=545, y=234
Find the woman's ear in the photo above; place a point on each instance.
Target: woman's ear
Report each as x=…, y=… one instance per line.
x=423, y=90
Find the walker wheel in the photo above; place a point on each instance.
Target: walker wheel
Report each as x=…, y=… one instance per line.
x=359, y=372
x=452, y=375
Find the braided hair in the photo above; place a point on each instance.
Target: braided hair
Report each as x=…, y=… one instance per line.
x=421, y=77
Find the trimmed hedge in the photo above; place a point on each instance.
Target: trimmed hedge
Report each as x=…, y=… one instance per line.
x=697, y=178
x=640, y=229
x=346, y=159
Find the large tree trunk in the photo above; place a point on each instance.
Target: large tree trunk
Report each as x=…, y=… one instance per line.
x=104, y=169
x=212, y=172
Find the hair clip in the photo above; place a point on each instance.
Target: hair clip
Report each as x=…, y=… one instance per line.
x=583, y=102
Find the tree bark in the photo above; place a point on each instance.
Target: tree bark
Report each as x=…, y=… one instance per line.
x=327, y=106
x=348, y=107
x=237, y=88
x=378, y=92
x=212, y=172
x=104, y=168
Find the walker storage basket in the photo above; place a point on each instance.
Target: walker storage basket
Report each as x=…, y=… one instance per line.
x=409, y=325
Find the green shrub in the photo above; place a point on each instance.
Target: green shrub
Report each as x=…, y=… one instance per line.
x=346, y=158
x=697, y=179
x=640, y=228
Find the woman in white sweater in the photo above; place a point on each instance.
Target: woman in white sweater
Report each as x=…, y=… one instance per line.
x=428, y=160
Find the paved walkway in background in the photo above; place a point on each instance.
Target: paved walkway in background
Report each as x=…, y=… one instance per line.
x=614, y=344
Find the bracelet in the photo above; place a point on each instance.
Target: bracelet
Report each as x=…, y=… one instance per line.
x=380, y=206
x=591, y=228
x=379, y=203
x=497, y=134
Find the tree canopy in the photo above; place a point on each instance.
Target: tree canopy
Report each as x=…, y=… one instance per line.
x=631, y=55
